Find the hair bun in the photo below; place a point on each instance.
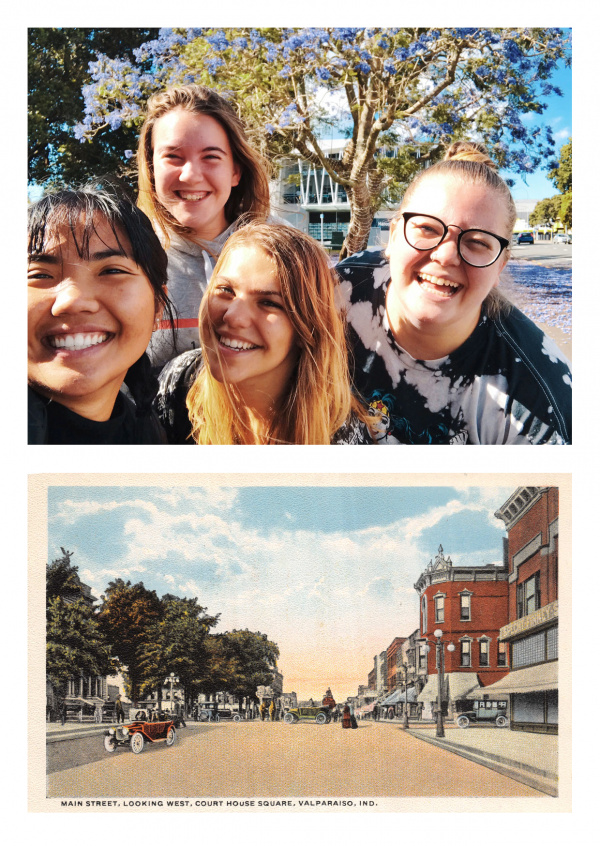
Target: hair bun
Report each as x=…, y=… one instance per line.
x=469, y=151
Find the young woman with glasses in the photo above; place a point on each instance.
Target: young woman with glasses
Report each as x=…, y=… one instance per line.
x=435, y=345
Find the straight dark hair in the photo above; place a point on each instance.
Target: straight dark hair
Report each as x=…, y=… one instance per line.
x=78, y=211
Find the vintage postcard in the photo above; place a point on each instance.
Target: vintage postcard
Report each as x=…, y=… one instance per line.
x=299, y=643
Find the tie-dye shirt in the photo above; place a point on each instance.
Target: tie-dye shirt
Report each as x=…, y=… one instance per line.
x=507, y=384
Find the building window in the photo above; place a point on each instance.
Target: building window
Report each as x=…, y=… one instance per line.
x=424, y=615
x=535, y=649
x=502, y=662
x=552, y=644
x=422, y=659
x=528, y=596
x=465, y=606
x=439, y=608
x=484, y=653
x=465, y=653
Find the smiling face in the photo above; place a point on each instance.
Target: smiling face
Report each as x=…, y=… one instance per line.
x=89, y=320
x=434, y=299
x=256, y=340
x=194, y=170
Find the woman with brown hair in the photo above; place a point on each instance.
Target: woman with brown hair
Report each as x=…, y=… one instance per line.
x=197, y=176
x=273, y=366
x=438, y=352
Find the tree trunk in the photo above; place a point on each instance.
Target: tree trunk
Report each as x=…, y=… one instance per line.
x=362, y=212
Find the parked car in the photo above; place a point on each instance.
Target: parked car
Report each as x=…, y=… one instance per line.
x=484, y=710
x=215, y=715
x=525, y=238
x=138, y=733
x=319, y=714
x=561, y=238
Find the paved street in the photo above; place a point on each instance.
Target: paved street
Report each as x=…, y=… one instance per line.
x=273, y=759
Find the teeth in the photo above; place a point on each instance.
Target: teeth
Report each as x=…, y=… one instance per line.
x=78, y=341
x=199, y=196
x=435, y=280
x=237, y=345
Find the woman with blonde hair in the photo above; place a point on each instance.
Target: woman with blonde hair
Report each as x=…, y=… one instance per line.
x=197, y=174
x=437, y=349
x=273, y=365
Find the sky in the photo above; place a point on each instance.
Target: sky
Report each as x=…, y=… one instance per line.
x=558, y=115
x=328, y=573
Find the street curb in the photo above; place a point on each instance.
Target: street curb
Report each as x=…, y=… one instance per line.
x=541, y=780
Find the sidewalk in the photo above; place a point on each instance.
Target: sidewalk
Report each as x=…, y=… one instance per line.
x=524, y=756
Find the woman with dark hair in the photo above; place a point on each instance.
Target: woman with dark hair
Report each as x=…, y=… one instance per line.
x=197, y=176
x=438, y=353
x=96, y=288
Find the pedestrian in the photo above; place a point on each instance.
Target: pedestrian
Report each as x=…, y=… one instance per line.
x=262, y=710
x=346, y=717
x=198, y=176
x=353, y=722
x=63, y=712
x=273, y=366
x=119, y=711
x=439, y=354
x=86, y=337
x=272, y=711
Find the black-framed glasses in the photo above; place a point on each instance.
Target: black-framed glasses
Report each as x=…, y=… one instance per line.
x=475, y=246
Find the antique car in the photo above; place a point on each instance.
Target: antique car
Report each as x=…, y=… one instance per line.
x=138, y=733
x=319, y=714
x=484, y=710
x=213, y=715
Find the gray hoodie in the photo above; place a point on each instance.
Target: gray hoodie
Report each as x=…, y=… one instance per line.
x=189, y=271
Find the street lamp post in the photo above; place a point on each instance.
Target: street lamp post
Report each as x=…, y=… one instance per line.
x=171, y=680
x=405, y=720
x=439, y=663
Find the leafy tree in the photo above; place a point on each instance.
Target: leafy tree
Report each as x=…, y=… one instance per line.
x=250, y=658
x=562, y=176
x=419, y=88
x=176, y=644
x=62, y=578
x=558, y=207
x=58, y=69
x=546, y=211
x=127, y=616
x=74, y=644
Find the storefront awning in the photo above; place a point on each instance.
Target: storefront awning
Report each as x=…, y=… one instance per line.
x=392, y=699
x=529, y=679
x=79, y=700
x=365, y=709
x=430, y=691
x=460, y=684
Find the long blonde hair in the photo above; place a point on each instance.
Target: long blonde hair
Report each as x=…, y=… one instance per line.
x=469, y=161
x=319, y=398
x=250, y=197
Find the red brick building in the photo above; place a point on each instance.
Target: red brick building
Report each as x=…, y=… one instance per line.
x=469, y=605
x=531, y=633
x=393, y=677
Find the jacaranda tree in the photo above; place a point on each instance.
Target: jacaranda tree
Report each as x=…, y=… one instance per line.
x=413, y=89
